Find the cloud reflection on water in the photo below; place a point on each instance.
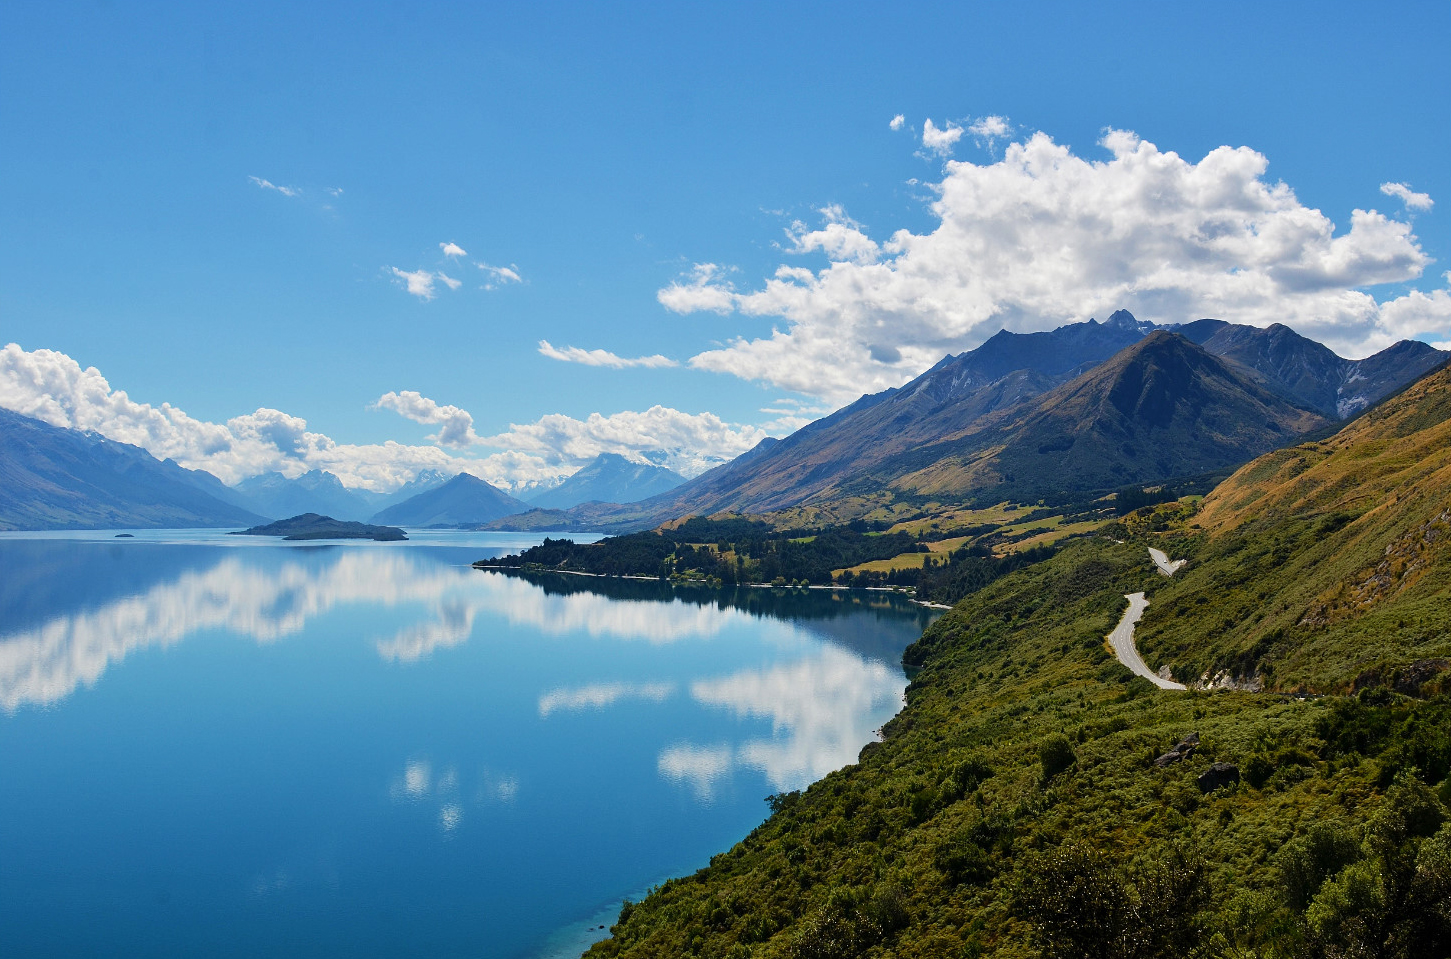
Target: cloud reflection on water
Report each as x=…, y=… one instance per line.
x=822, y=710
x=44, y=664
x=600, y=695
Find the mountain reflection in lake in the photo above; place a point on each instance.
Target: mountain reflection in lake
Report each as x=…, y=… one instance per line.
x=373, y=750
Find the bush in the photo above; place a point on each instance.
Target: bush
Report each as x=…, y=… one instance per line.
x=1056, y=754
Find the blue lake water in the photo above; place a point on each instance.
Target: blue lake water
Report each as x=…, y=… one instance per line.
x=227, y=746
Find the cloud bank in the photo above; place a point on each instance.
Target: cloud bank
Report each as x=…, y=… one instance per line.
x=52, y=387
x=1044, y=237
x=689, y=443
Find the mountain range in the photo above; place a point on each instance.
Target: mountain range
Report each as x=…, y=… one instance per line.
x=316, y=491
x=1086, y=407
x=1025, y=415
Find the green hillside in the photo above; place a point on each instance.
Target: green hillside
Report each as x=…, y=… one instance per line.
x=1015, y=808
x=1325, y=562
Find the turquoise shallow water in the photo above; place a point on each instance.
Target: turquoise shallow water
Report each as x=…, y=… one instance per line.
x=219, y=747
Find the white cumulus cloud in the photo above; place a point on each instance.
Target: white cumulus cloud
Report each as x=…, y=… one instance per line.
x=452, y=249
x=940, y=140
x=840, y=237
x=898, y=121
x=988, y=130
x=457, y=426
x=52, y=387
x=420, y=282
x=705, y=288
x=573, y=354
x=1404, y=193
x=1043, y=237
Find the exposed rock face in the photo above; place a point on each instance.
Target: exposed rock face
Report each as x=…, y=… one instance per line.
x=1186, y=746
x=1223, y=680
x=1217, y=776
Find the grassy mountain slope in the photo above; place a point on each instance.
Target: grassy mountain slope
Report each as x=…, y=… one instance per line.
x=1325, y=561
x=1015, y=808
x=1024, y=758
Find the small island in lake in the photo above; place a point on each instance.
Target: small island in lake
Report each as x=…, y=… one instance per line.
x=317, y=526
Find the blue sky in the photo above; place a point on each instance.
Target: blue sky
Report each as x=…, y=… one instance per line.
x=208, y=204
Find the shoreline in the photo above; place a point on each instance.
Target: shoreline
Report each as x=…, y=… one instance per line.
x=900, y=591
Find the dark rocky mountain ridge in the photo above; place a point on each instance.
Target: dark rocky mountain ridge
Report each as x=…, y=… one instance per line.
x=948, y=402
x=1159, y=409
x=1304, y=371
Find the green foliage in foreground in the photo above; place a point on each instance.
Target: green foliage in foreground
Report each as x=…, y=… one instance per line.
x=1014, y=809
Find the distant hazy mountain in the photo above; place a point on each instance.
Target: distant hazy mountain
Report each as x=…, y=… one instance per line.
x=464, y=500
x=608, y=478
x=54, y=478
x=316, y=491
x=422, y=483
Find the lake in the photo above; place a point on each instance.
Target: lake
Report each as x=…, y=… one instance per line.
x=231, y=746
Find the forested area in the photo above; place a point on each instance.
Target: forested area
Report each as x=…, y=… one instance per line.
x=725, y=552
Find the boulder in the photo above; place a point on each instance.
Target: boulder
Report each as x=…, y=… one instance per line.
x=1186, y=746
x=1217, y=776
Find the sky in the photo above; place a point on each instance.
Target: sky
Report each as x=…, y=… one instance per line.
x=381, y=238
